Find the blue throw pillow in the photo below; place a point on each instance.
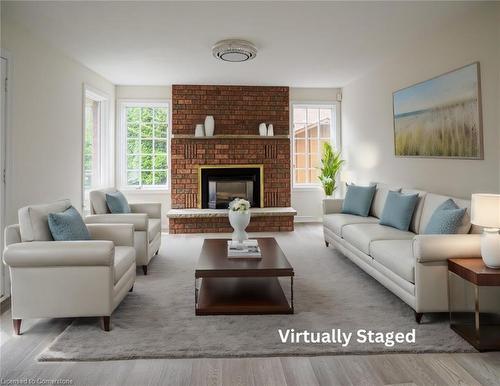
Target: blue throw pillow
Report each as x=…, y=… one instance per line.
x=446, y=219
x=117, y=203
x=398, y=210
x=358, y=200
x=68, y=225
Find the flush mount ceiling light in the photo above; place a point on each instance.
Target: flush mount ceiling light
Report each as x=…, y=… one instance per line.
x=233, y=50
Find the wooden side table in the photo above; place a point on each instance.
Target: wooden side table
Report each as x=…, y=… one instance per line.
x=474, y=302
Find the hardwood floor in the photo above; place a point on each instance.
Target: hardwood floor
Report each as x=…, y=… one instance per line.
x=18, y=361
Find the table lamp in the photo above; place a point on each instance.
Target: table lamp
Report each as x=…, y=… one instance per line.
x=485, y=212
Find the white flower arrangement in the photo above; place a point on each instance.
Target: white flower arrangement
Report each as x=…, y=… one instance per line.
x=239, y=205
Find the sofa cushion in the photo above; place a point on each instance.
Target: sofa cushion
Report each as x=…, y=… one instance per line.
x=68, y=226
x=117, y=203
x=154, y=227
x=358, y=200
x=395, y=255
x=33, y=220
x=98, y=200
x=124, y=258
x=446, y=219
x=398, y=210
x=417, y=213
x=379, y=198
x=433, y=201
x=335, y=222
x=361, y=235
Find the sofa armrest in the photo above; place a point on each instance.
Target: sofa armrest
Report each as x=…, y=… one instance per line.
x=119, y=234
x=152, y=209
x=428, y=248
x=60, y=253
x=138, y=220
x=332, y=205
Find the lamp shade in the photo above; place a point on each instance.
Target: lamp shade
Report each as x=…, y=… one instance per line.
x=485, y=210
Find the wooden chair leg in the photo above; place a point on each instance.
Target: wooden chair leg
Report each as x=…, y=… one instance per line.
x=327, y=243
x=131, y=289
x=145, y=269
x=17, y=326
x=105, y=322
x=418, y=317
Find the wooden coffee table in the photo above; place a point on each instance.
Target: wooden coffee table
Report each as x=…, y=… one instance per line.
x=225, y=286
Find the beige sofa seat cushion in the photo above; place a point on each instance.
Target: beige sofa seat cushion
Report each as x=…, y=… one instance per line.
x=432, y=201
x=124, y=258
x=395, y=255
x=98, y=200
x=34, y=223
x=335, y=222
x=362, y=235
x=154, y=227
x=379, y=198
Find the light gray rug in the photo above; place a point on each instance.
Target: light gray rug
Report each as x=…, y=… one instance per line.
x=157, y=320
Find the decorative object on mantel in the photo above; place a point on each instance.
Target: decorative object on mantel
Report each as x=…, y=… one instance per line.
x=200, y=130
x=331, y=163
x=209, y=126
x=263, y=130
x=239, y=218
x=485, y=212
x=270, y=130
x=440, y=117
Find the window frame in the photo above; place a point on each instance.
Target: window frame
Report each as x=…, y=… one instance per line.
x=334, y=136
x=104, y=134
x=121, y=154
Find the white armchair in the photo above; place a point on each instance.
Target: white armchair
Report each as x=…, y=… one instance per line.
x=145, y=217
x=57, y=279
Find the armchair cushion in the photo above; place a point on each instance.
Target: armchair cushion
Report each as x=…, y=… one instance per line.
x=33, y=220
x=154, y=227
x=98, y=200
x=117, y=203
x=119, y=234
x=68, y=225
x=60, y=253
x=138, y=220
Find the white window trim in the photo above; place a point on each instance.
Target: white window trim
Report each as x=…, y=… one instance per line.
x=105, y=134
x=335, y=138
x=121, y=142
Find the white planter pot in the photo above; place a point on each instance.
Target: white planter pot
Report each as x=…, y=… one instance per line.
x=239, y=221
x=209, y=126
x=262, y=130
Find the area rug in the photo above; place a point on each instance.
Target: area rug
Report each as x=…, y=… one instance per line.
x=157, y=320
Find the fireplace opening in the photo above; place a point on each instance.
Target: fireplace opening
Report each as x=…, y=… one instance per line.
x=219, y=186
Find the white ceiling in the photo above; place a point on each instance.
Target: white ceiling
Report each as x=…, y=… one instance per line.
x=300, y=44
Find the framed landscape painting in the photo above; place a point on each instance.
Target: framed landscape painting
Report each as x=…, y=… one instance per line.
x=440, y=117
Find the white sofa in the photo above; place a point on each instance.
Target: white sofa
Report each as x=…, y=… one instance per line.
x=145, y=217
x=57, y=279
x=410, y=264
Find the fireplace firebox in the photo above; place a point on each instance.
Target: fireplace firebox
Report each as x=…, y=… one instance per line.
x=220, y=185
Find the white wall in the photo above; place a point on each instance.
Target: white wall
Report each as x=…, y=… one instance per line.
x=146, y=93
x=367, y=125
x=45, y=131
x=308, y=201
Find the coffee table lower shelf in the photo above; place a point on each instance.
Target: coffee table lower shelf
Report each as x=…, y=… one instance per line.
x=241, y=296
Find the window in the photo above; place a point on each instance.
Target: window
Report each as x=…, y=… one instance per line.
x=312, y=125
x=144, y=134
x=95, y=137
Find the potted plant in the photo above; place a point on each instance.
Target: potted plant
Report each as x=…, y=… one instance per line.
x=239, y=218
x=331, y=163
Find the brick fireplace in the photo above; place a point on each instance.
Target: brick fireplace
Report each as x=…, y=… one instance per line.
x=237, y=111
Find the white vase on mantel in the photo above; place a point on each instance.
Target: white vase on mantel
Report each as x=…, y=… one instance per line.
x=270, y=130
x=209, y=126
x=239, y=221
x=262, y=130
x=200, y=130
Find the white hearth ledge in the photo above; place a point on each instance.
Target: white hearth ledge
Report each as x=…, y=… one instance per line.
x=256, y=212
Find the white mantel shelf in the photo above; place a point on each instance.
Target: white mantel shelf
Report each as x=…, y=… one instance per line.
x=229, y=136
x=203, y=213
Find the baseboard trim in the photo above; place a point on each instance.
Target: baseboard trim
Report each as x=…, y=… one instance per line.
x=299, y=219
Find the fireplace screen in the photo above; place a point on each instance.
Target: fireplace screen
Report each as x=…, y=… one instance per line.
x=221, y=193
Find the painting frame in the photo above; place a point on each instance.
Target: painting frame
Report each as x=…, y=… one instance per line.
x=478, y=109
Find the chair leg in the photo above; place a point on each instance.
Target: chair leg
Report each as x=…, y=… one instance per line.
x=105, y=322
x=17, y=326
x=418, y=317
x=327, y=243
x=145, y=269
x=131, y=289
